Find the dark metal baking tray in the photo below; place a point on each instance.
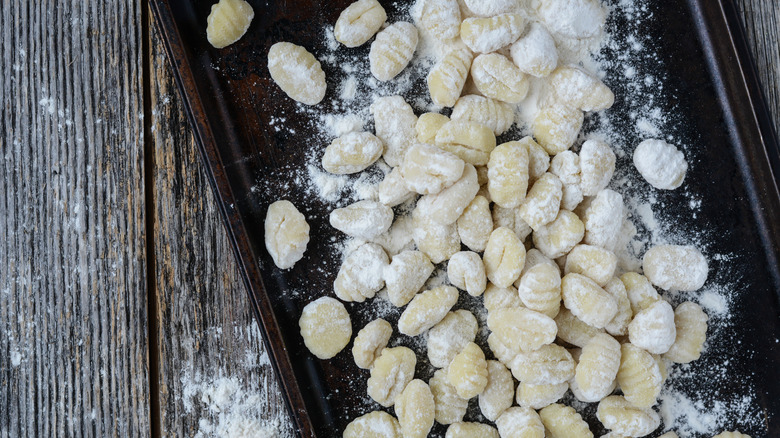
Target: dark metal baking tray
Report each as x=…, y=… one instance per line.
x=231, y=102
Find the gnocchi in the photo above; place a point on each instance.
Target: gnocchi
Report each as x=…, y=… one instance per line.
x=558, y=237
x=549, y=365
x=499, y=392
x=427, y=309
x=415, y=409
x=450, y=408
x=675, y=267
x=376, y=424
x=542, y=203
x=428, y=170
x=539, y=396
x=564, y=422
x=691, y=324
x=491, y=8
x=325, y=327
x=359, y=22
x=500, y=297
x=573, y=19
x=597, y=164
x=406, y=275
x=370, y=341
x=352, y=153
x=508, y=174
x=639, y=376
x=446, y=206
x=594, y=262
x=468, y=372
x=496, y=115
x=361, y=274
x=539, y=289
x=228, y=22
x=392, y=371
x=297, y=72
x=520, y=422
x=392, y=50
x=476, y=224
x=363, y=219
x=440, y=18
x=438, y=242
x=535, y=53
x=653, y=328
x=602, y=218
x=448, y=76
x=466, y=271
x=428, y=125
x=617, y=414
x=574, y=86
x=395, y=124
x=471, y=430
x=496, y=77
x=598, y=367
x=521, y=329
x=573, y=331
x=470, y=141
x=556, y=127
x=392, y=190
x=485, y=35
x=587, y=300
x=660, y=164
x=286, y=234
x=504, y=257
x=450, y=336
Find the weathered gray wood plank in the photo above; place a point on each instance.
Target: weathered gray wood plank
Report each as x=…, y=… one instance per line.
x=207, y=333
x=73, y=349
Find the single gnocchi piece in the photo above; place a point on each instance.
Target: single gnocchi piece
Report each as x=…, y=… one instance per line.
x=538, y=396
x=499, y=392
x=392, y=371
x=575, y=87
x=470, y=141
x=406, y=275
x=376, y=424
x=556, y=127
x=520, y=422
x=620, y=416
x=438, y=242
x=691, y=323
x=428, y=170
x=370, y=341
x=363, y=219
x=603, y=218
x=415, y=409
x=521, y=329
x=498, y=78
x=539, y=288
x=619, y=324
x=641, y=294
x=535, y=53
x=468, y=371
x=543, y=202
x=508, y=174
x=571, y=197
x=466, y=271
x=297, y=72
x=597, y=164
x=496, y=115
x=476, y=224
x=395, y=124
x=653, y=328
x=428, y=125
x=660, y=164
x=578, y=19
x=677, y=267
x=500, y=297
x=352, y=153
x=325, y=327
x=594, y=262
x=440, y=18
x=504, y=257
x=558, y=237
x=566, y=166
x=598, y=367
x=286, y=234
x=392, y=190
x=587, y=300
x=359, y=22
x=639, y=376
x=448, y=76
x=564, y=422
x=392, y=50
x=471, y=430
x=485, y=35
x=446, y=206
x=573, y=331
x=450, y=408
x=510, y=218
x=549, y=365
x=482, y=8
x=228, y=22
x=361, y=274
x=427, y=309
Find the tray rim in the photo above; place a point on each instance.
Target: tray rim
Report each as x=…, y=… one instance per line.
x=723, y=40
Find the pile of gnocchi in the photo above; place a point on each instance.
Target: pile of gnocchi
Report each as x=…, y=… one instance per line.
x=529, y=225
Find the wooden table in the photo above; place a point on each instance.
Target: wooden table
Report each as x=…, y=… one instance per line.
x=118, y=288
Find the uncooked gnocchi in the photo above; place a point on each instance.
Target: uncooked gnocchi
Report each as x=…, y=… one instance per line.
x=598, y=367
x=594, y=262
x=427, y=309
x=415, y=409
x=521, y=329
x=564, y=422
x=549, y=365
x=504, y=257
x=228, y=22
x=438, y=242
x=675, y=267
x=440, y=18
x=406, y=275
x=691, y=323
x=297, y=72
x=361, y=274
x=496, y=115
x=639, y=376
x=574, y=86
x=500, y=297
x=446, y=206
x=499, y=392
x=485, y=35
x=352, y=153
x=392, y=371
x=359, y=22
x=468, y=372
x=428, y=125
x=448, y=76
x=370, y=341
x=325, y=327
x=535, y=53
x=619, y=415
x=392, y=50
x=653, y=328
x=508, y=174
x=376, y=424
x=470, y=141
x=497, y=77
x=587, y=300
x=558, y=237
x=466, y=271
x=660, y=164
x=476, y=224
x=556, y=127
x=539, y=396
x=539, y=288
x=286, y=234
x=428, y=170
x=450, y=407
x=395, y=124
x=572, y=330
x=597, y=164
x=363, y=219
x=520, y=422
x=471, y=430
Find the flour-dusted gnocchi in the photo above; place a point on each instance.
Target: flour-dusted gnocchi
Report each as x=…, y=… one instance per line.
x=361, y=273
x=395, y=124
x=499, y=392
x=438, y=242
x=466, y=271
x=574, y=86
x=500, y=297
x=675, y=267
x=406, y=275
x=490, y=8
x=535, y=53
x=660, y=164
x=485, y=35
x=731, y=435
x=228, y=22
x=363, y=219
x=549, y=365
x=504, y=257
x=521, y=329
x=603, y=218
x=427, y=169
x=639, y=376
x=297, y=72
x=392, y=50
x=571, y=196
x=535, y=257
x=359, y=22
x=376, y=424
x=508, y=174
x=415, y=409
x=392, y=371
x=619, y=324
x=286, y=234
x=510, y=218
x=520, y=422
x=370, y=341
x=392, y=190
x=653, y=328
x=564, y=422
x=556, y=127
x=476, y=224
x=539, y=288
x=573, y=331
x=578, y=19
x=448, y=76
x=468, y=371
x=503, y=353
x=325, y=327
x=471, y=430
x=558, y=237
x=496, y=115
x=352, y=153
x=641, y=294
x=598, y=367
x=427, y=309
x=539, y=396
x=594, y=262
x=566, y=166
x=447, y=338
x=597, y=164
x=446, y=206
x=619, y=415
x=440, y=18
x=542, y=203
x=428, y=125
x=470, y=141
x=691, y=323
x=587, y=300
x=498, y=78
x=450, y=407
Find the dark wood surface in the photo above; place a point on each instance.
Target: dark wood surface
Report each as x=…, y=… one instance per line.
x=108, y=321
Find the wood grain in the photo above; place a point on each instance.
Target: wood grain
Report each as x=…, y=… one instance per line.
x=207, y=330
x=73, y=332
